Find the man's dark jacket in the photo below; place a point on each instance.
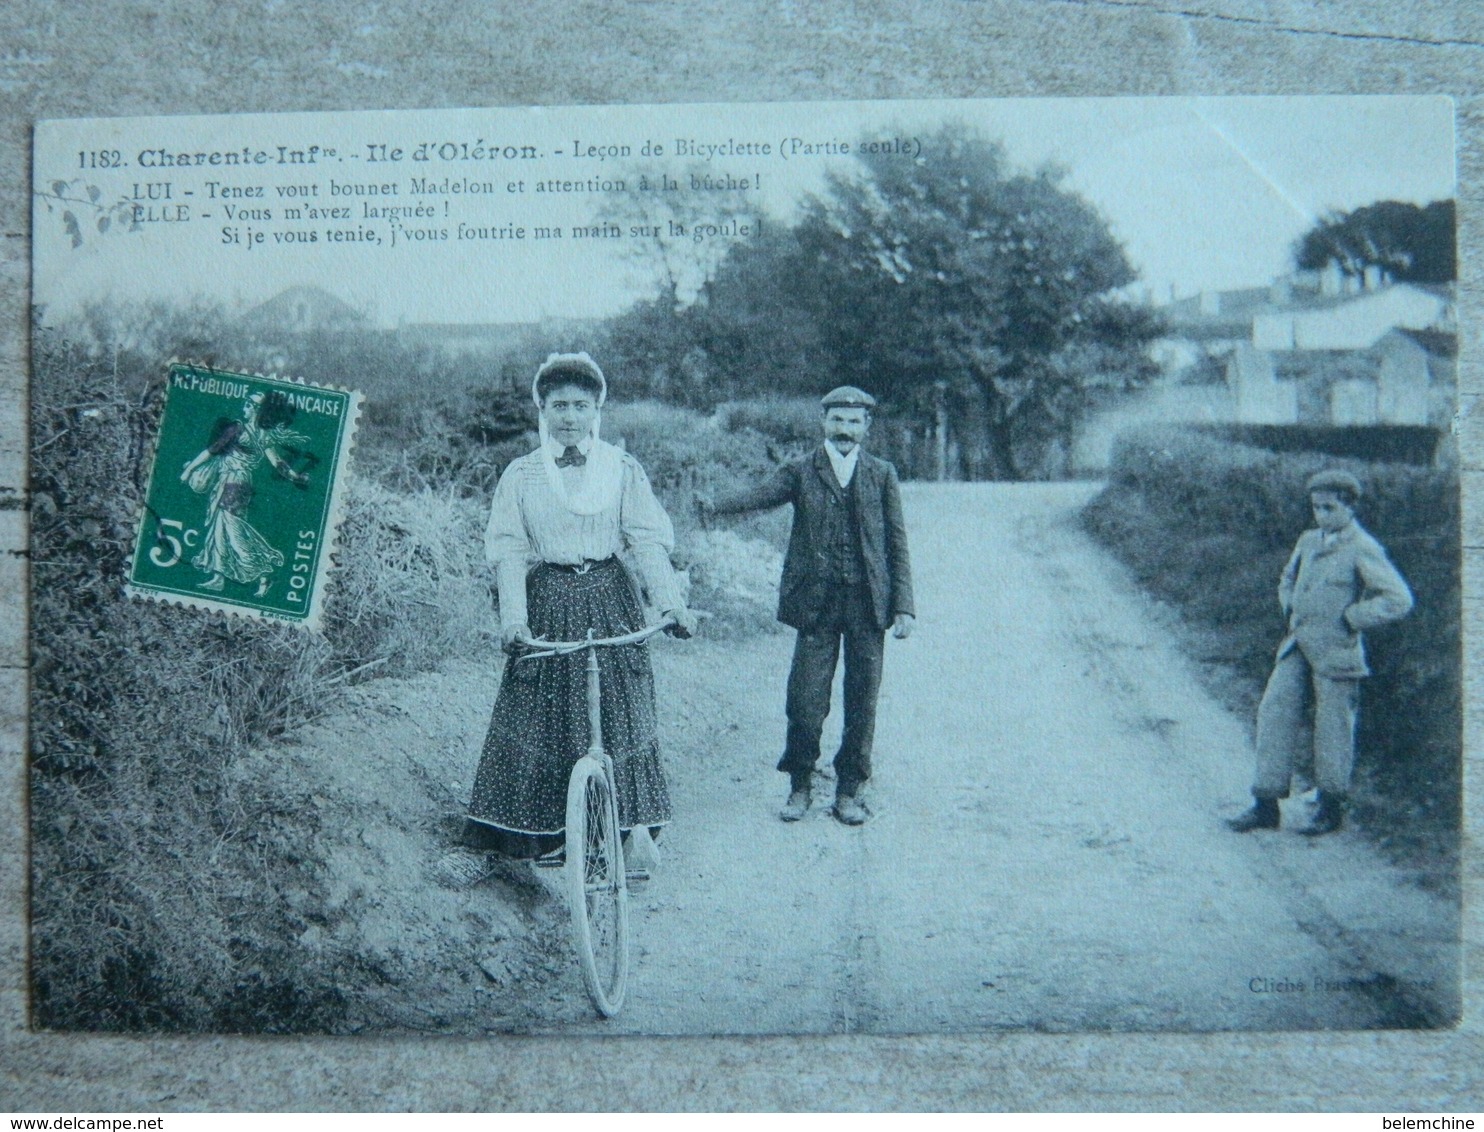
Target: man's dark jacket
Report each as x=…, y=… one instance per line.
x=808, y=485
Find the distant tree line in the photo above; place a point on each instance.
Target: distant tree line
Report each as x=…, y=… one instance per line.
x=1410, y=243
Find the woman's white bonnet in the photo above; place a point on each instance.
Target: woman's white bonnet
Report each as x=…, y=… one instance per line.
x=580, y=362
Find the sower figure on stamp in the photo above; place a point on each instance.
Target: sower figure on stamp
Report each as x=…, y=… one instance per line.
x=1337, y=584
x=847, y=577
x=231, y=547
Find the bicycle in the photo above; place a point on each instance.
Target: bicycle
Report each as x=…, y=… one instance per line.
x=594, y=874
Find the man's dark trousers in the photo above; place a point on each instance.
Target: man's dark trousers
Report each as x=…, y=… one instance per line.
x=846, y=613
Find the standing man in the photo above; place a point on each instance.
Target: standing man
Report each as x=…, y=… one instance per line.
x=1338, y=583
x=846, y=576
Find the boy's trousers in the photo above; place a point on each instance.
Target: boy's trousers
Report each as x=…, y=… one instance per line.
x=1283, y=724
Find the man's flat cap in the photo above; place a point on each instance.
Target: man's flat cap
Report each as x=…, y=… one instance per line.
x=848, y=397
x=1333, y=480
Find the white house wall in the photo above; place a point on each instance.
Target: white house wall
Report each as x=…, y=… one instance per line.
x=1273, y=331
x=1403, y=394
x=1352, y=402
x=1260, y=397
x=1361, y=323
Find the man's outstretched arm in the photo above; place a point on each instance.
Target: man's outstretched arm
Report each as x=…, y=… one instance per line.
x=778, y=489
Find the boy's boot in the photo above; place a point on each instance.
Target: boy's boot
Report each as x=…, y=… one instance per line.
x=1329, y=815
x=1264, y=814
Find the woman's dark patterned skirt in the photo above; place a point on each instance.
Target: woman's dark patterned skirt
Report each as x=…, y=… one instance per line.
x=539, y=727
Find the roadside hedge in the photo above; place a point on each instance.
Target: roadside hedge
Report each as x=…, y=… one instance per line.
x=157, y=874
x=1208, y=524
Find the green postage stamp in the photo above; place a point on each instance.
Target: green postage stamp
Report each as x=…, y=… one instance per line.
x=244, y=494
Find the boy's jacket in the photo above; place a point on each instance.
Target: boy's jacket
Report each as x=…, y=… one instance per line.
x=1332, y=594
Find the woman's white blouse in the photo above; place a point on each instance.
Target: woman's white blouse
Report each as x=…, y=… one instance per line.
x=530, y=523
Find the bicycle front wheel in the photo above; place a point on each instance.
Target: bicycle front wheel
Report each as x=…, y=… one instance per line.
x=597, y=889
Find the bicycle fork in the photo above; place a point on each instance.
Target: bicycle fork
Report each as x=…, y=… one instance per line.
x=595, y=750
x=595, y=711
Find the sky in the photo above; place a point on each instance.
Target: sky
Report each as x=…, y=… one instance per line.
x=1204, y=193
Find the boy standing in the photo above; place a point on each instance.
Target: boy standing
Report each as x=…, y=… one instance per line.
x=1337, y=584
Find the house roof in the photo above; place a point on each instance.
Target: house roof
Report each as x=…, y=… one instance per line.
x=1236, y=310
x=1230, y=304
x=326, y=310
x=1438, y=343
x=1368, y=361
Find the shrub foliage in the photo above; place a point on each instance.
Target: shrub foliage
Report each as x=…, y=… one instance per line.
x=156, y=871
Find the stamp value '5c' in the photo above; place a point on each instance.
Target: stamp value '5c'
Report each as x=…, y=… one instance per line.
x=244, y=494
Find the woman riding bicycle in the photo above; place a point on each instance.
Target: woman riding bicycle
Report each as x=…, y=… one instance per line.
x=560, y=517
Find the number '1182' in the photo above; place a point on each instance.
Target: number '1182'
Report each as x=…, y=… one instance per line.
x=100, y=159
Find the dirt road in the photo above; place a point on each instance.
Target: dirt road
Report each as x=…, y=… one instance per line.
x=1047, y=849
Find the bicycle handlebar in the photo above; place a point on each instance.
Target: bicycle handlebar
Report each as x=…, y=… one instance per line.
x=561, y=648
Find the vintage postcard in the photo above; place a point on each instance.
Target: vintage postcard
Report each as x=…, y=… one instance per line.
x=913, y=567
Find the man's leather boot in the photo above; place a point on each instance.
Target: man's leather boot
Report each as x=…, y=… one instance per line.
x=1329, y=815
x=1264, y=814
x=798, y=799
x=849, y=810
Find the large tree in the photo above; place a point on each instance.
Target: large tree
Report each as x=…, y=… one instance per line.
x=678, y=232
x=749, y=330
x=676, y=228
x=952, y=275
x=1411, y=244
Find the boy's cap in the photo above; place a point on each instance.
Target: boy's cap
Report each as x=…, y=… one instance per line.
x=1337, y=481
